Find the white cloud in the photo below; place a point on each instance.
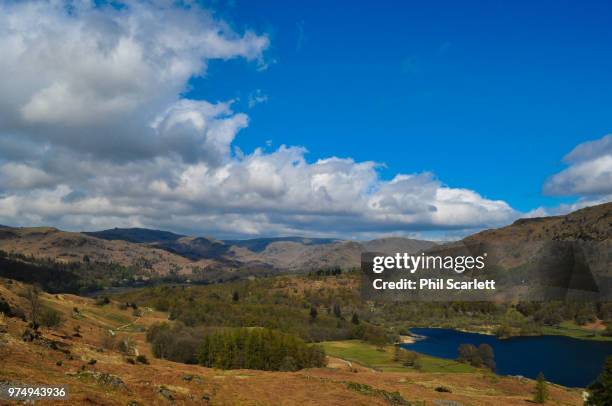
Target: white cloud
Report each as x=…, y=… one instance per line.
x=93, y=78
x=589, y=172
x=198, y=130
x=256, y=97
x=94, y=134
x=588, y=176
x=260, y=193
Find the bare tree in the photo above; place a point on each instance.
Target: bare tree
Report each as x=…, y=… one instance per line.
x=32, y=295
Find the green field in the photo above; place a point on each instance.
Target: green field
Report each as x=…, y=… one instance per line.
x=571, y=329
x=370, y=356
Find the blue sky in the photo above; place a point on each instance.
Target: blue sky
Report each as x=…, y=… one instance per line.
x=488, y=95
x=428, y=120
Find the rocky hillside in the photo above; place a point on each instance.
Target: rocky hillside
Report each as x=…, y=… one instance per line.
x=552, y=258
x=66, y=247
x=589, y=224
x=528, y=239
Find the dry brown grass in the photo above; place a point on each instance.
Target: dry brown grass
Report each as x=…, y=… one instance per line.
x=36, y=363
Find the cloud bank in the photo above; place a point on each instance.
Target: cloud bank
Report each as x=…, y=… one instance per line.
x=94, y=133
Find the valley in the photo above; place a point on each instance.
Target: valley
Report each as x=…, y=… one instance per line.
x=176, y=319
x=351, y=203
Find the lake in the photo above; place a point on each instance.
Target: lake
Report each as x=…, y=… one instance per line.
x=563, y=360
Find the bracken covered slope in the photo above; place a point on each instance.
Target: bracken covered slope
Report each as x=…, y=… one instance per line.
x=97, y=375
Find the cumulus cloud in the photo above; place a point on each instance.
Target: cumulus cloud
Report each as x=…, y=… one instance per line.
x=589, y=171
x=198, y=130
x=94, y=134
x=259, y=193
x=93, y=78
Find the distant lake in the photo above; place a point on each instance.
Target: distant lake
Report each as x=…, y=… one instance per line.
x=563, y=360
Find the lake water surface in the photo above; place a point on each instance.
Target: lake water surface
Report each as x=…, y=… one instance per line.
x=566, y=361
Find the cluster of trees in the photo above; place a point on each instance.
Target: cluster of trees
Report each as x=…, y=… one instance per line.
x=52, y=277
x=258, y=348
x=233, y=348
x=374, y=335
x=480, y=356
x=554, y=312
x=524, y=328
x=326, y=272
x=61, y=277
x=275, y=303
x=175, y=342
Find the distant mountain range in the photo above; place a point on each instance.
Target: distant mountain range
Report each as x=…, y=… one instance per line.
x=152, y=253
x=162, y=252
x=282, y=253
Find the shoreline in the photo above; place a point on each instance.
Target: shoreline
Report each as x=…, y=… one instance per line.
x=406, y=339
x=549, y=331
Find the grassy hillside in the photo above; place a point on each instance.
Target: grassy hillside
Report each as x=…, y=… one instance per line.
x=98, y=371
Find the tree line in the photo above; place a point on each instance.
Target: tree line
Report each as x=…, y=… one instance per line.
x=234, y=348
x=64, y=277
x=258, y=348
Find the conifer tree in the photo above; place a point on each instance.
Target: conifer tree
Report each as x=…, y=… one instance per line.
x=600, y=391
x=541, y=391
x=313, y=313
